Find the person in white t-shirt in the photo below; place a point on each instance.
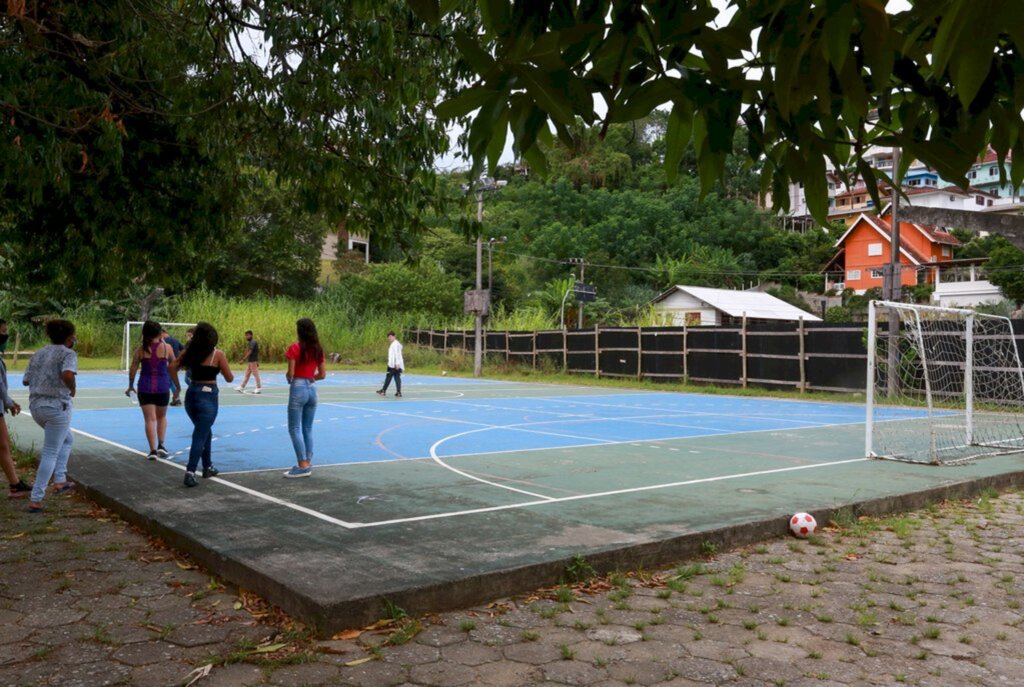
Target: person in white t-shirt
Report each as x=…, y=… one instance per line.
x=395, y=367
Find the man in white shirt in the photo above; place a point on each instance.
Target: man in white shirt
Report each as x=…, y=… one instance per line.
x=395, y=367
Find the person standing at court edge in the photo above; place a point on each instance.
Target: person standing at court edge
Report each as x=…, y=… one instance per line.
x=203, y=361
x=7, y=405
x=396, y=364
x=305, y=367
x=154, y=355
x=50, y=378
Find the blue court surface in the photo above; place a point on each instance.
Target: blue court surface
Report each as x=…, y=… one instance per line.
x=254, y=436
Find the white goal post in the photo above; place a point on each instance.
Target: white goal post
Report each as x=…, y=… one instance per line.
x=944, y=385
x=131, y=340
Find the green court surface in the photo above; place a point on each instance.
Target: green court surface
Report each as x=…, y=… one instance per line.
x=467, y=490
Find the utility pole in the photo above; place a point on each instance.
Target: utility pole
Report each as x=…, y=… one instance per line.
x=478, y=348
x=582, y=262
x=892, y=289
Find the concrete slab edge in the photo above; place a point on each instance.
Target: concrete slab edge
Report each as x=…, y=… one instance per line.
x=329, y=618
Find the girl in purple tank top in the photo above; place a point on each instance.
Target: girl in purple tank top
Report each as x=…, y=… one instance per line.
x=153, y=356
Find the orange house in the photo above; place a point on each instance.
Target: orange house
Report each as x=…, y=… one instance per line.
x=864, y=251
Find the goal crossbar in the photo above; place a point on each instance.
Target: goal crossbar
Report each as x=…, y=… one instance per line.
x=127, y=346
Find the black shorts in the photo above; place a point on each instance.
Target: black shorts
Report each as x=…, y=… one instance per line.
x=154, y=399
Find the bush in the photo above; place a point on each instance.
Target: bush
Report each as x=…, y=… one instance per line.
x=838, y=314
x=399, y=288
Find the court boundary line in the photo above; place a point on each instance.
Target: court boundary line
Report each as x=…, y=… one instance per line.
x=447, y=514
x=238, y=487
x=615, y=492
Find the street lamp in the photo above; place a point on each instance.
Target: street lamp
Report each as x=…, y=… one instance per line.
x=490, y=259
x=486, y=184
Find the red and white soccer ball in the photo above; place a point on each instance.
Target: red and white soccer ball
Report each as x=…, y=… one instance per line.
x=803, y=525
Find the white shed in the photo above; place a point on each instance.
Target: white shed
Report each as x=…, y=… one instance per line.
x=702, y=306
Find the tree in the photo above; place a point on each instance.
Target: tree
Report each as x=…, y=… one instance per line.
x=810, y=80
x=1005, y=269
x=126, y=125
x=274, y=246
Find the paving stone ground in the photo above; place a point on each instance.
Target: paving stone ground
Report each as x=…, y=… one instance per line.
x=926, y=598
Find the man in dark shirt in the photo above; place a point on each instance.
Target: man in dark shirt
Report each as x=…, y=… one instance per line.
x=177, y=347
x=252, y=363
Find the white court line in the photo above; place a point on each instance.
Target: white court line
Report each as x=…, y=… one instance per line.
x=515, y=427
x=678, y=411
x=616, y=492
x=237, y=487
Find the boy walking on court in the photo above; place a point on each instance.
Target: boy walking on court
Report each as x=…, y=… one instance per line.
x=395, y=367
x=252, y=363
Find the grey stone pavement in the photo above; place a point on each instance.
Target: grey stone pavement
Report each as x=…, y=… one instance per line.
x=927, y=598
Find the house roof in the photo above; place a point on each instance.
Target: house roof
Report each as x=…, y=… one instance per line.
x=882, y=226
x=753, y=304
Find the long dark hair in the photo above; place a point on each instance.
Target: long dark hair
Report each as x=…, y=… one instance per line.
x=309, y=341
x=204, y=340
x=150, y=330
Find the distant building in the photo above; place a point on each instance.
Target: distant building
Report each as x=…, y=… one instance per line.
x=344, y=241
x=697, y=306
x=863, y=252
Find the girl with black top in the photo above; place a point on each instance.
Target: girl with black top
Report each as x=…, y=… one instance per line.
x=203, y=360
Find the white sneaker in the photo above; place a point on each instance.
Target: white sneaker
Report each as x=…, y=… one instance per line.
x=258, y=390
x=240, y=389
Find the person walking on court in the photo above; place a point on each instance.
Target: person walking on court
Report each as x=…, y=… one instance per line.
x=50, y=378
x=154, y=356
x=18, y=487
x=204, y=361
x=176, y=347
x=396, y=364
x=251, y=362
x=305, y=367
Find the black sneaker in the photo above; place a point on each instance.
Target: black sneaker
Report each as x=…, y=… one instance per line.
x=176, y=402
x=161, y=451
x=152, y=455
x=18, y=490
x=190, y=479
x=398, y=395
x=210, y=472
x=380, y=392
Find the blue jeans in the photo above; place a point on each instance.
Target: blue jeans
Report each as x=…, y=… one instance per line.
x=57, y=440
x=201, y=406
x=301, y=411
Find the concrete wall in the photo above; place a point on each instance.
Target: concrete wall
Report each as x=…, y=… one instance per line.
x=678, y=306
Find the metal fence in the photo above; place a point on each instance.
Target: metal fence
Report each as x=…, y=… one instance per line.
x=811, y=356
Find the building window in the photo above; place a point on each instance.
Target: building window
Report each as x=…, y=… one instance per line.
x=990, y=202
x=915, y=182
x=952, y=198
x=973, y=174
x=876, y=274
x=978, y=200
x=992, y=171
x=874, y=249
x=946, y=252
x=853, y=275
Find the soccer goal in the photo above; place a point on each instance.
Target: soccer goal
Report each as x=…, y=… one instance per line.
x=132, y=337
x=944, y=385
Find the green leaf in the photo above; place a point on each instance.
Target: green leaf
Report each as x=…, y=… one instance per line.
x=499, y=133
x=464, y=103
x=544, y=90
x=677, y=137
x=476, y=57
x=427, y=10
x=645, y=99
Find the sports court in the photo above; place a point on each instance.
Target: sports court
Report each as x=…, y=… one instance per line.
x=466, y=490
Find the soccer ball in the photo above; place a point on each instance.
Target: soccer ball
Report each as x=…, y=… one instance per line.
x=803, y=525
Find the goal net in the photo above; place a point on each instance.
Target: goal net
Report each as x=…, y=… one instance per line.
x=944, y=385
x=132, y=337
